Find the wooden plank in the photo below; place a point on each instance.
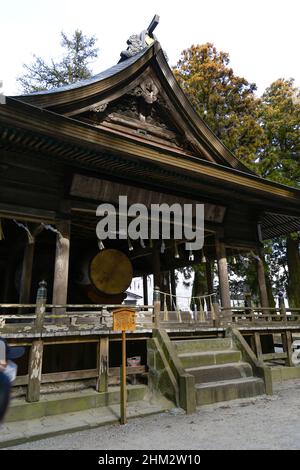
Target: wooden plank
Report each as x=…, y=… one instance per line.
x=70, y=375
x=35, y=371
x=20, y=380
x=115, y=371
x=272, y=356
x=102, y=364
x=56, y=377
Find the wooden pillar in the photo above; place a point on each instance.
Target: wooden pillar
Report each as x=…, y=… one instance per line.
x=26, y=276
x=156, y=267
x=102, y=364
x=258, y=346
x=173, y=283
x=262, y=280
x=209, y=276
x=145, y=289
x=156, y=306
x=60, y=284
x=35, y=371
x=9, y=279
x=287, y=341
x=223, y=277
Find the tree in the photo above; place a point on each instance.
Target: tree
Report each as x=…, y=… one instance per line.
x=279, y=116
x=79, y=50
x=225, y=101
x=279, y=160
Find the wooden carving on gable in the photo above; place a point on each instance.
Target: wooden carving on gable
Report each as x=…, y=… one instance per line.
x=141, y=112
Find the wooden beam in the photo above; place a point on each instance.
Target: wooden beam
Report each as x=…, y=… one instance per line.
x=30, y=214
x=273, y=356
x=35, y=371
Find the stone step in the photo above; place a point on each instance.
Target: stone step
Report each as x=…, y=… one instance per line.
x=226, y=390
x=235, y=370
x=194, y=345
x=206, y=358
x=15, y=433
x=54, y=404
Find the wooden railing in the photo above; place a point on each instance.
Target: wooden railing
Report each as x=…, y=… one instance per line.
x=258, y=316
x=33, y=320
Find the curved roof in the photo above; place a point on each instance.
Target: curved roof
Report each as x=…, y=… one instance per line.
x=72, y=99
x=115, y=69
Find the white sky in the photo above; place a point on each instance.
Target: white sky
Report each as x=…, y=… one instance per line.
x=261, y=36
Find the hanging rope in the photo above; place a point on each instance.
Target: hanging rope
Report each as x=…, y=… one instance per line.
x=187, y=297
x=25, y=227
x=204, y=303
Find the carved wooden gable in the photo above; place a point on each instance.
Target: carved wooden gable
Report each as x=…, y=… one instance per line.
x=142, y=112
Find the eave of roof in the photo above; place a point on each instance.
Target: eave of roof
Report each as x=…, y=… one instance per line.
x=18, y=115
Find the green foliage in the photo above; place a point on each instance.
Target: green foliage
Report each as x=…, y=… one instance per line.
x=279, y=116
x=265, y=134
x=226, y=102
x=79, y=51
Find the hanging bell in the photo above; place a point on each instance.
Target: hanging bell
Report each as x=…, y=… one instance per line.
x=176, y=255
x=130, y=247
x=101, y=245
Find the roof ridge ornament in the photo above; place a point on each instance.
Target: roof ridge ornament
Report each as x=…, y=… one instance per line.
x=139, y=42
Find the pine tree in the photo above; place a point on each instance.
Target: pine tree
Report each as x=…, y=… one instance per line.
x=79, y=51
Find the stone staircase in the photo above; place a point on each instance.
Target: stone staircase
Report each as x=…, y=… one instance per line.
x=220, y=374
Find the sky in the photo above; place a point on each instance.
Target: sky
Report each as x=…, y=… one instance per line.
x=261, y=36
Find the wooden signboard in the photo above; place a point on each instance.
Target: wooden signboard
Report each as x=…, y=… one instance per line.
x=124, y=320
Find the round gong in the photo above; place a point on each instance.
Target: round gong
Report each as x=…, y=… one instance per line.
x=111, y=271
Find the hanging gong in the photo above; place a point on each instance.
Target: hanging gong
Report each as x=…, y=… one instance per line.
x=111, y=271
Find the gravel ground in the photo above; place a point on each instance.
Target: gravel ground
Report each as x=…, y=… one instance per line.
x=258, y=423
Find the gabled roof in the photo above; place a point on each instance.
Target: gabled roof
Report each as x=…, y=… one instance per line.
x=72, y=100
